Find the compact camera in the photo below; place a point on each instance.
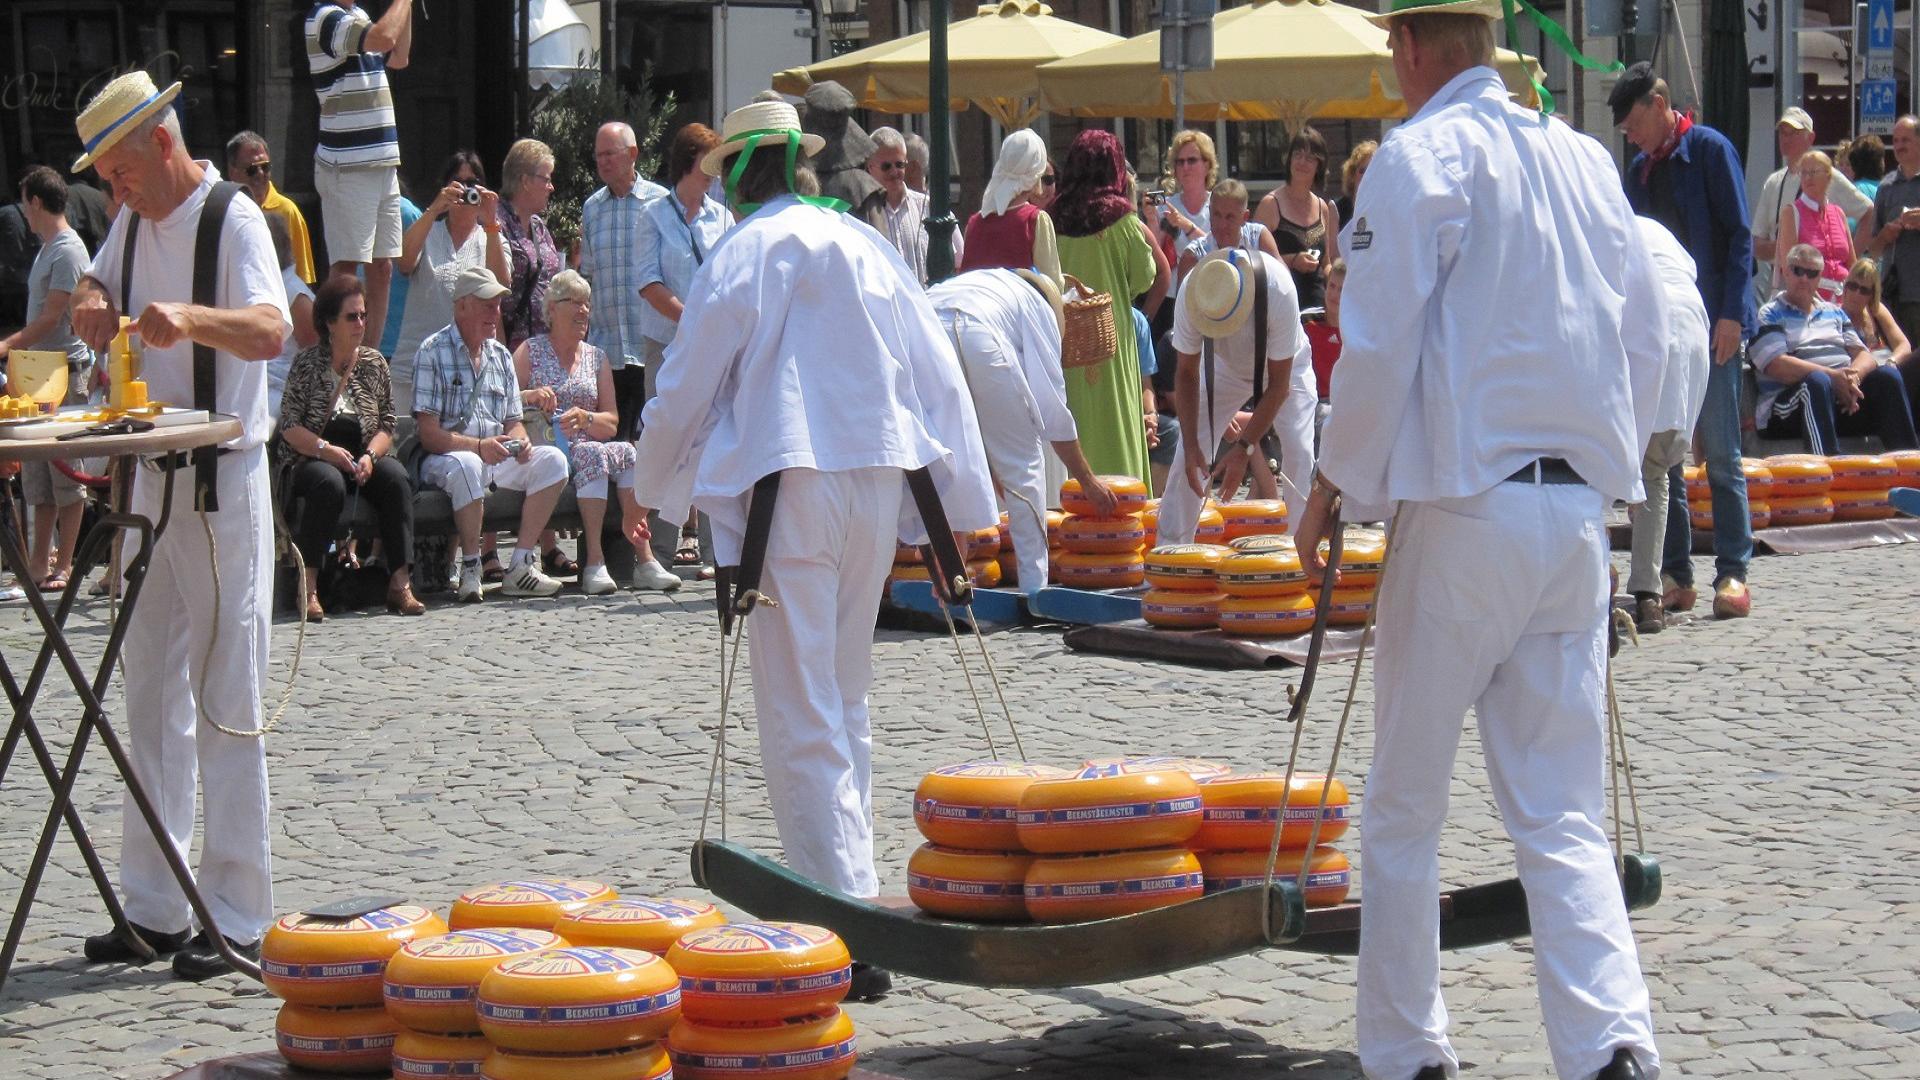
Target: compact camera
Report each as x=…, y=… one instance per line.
x=470, y=194
x=514, y=446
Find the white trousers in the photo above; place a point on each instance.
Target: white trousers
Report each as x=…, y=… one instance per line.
x=1016, y=446
x=1180, y=507
x=465, y=477
x=1496, y=602
x=831, y=543
x=1294, y=427
x=167, y=668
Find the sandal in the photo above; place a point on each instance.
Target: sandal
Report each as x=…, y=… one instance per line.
x=491, y=571
x=688, y=553
x=557, y=564
x=54, y=582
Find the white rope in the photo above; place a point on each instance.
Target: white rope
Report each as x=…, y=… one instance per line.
x=1618, y=759
x=960, y=655
x=717, y=765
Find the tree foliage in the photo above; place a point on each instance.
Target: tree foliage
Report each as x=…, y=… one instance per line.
x=567, y=119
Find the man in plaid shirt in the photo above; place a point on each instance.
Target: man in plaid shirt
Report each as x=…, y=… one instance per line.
x=609, y=228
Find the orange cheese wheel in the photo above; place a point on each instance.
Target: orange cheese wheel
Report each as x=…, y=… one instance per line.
x=1362, y=556
x=905, y=554
x=1075, y=888
x=1009, y=564
x=578, y=998
x=1906, y=468
x=983, y=544
x=1801, y=510
x=972, y=885
x=1700, y=515
x=431, y=983
x=817, y=1047
x=1862, y=472
x=649, y=1062
x=1328, y=880
x=1267, y=616
x=1255, y=573
x=1262, y=542
x=1759, y=513
x=1797, y=476
x=534, y=902
x=1861, y=505
x=1201, y=770
x=1055, y=519
x=972, y=805
x=1096, y=535
x=419, y=1055
x=1211, y=528
x=1185, y=566
x=1696, y=481
x=336, y=1039
x=1131, y=493
x=1150, y=517
x=314, y=961
x=1350, y=605
x=760, y=971
x=1254, y=517
x=646, y=924
x=1759, y=479
x=1179, y=609
x=1113, y=571
x=1238, y=812
x=1117, y=812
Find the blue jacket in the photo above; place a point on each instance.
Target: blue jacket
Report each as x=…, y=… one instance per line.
x=1710, y=188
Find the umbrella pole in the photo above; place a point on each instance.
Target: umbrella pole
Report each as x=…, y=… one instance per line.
x=940, y=220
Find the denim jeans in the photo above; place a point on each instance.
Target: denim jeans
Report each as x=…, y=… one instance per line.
x=1812, y=412
x=1719, y=429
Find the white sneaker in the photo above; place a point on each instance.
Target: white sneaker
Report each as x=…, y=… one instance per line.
x=595, y=581
x=527, y=580
x=651, y=575
x=470, y=583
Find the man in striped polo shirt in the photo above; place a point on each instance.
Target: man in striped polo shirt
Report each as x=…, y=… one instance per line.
x=357, y=160
x=1817, y=377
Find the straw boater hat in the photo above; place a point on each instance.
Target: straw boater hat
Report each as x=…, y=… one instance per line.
x=1051, y=291
x=117, y=109
x=775, y=122
x=1488, y=9
x=1218, y=294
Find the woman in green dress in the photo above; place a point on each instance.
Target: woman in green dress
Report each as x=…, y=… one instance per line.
x=1104, y=244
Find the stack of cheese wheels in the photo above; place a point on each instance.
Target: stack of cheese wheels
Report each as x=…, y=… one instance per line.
x=648, y=1061
x=761, y=1000
x=1111, y=841
x=1802, y=489
x=1008, y=560
x=1266, y=589
x=1254, y=517
x=1362, y=556
x=1103, y=552
x=982, y=574
x=1240, y=813
x=1211, y=528
x=1055, y=519
x=644, y=923
x=431, y=988
x=1130, y=493
x=1906, y=468
x=972, y=866
x=1185, y=593
x=1759, y=477
x=535, y=903
x=579, y=1000
x=1860, y=485
x=329, y=974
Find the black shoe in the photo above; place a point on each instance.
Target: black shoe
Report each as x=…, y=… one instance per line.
x=1622, y=1067
x=1649, y=615
x=869, y=983
x=200, y=960
x=1432, y=1072
x=112, y=948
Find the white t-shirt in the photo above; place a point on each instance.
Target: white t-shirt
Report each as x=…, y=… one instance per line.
x=249, y=275
x=277, y=369
x=430, y=298
x=1233, y=355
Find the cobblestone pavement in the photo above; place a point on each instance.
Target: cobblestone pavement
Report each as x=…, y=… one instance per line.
x=421, y=757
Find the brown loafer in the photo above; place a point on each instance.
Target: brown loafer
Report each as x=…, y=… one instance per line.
x=401, y=601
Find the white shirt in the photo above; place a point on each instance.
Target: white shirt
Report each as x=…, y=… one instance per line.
x=1689, y=332
x=1005, y=303
x=430, y=297
x=249, y=275
x=1233, y=357
x=1499, y=308
x=804, y=347
x=277, y=368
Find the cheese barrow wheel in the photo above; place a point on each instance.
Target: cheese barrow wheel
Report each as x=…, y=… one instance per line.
x=535, y=903
x=1254, y=573
x=1350, y=606
x=760, y=971
x=1129, y=491
x=1238, y=812
x=1328, y=881
x=336, y=1039
x=1179, y=609
x=972, y=806
x=1266, y=616
x=983, y=544
x=1109, y=812
x=1185, y=566
x=818, y=1047
x=1099, y=535
x=314, y=961
x=1862, y=472
x=418, y=1055
x=1075, y=888
x=1263, y=542
x=1362, y=556
x=431, y=982
x=972, y=885
x=1798, y=476
x=649, y=1062
x=1801, y=510
x=646, y=924
x=1201, y=771
x=1855, y=504
x=1114, y=571
x=577, y=998
x=1255, y=517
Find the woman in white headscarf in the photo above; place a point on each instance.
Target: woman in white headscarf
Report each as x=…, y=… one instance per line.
x=1011, y=232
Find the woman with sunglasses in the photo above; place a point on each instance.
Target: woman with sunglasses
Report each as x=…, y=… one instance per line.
x=336, y=436
x=1009, y=232
x=1181, y=217
x=1860, y=298
x=1811, y=219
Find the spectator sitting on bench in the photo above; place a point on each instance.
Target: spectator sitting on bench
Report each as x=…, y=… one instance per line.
x=466, y=400
x=1816, y=377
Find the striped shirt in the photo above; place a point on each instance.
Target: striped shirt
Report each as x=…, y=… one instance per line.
x=609, y=234
x=356, y=107
x=1823, y=336
x=444, y=384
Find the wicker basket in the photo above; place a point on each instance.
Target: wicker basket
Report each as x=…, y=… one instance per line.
x=1088, y=339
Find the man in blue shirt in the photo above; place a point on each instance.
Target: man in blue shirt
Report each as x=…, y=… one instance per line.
x=1688, y=177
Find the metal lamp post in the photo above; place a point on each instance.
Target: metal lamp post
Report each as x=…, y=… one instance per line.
x=940, y=220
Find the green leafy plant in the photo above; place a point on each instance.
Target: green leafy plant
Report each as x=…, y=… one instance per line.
x=568, y=118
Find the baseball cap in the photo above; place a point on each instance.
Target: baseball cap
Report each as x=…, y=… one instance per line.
x=477, y=281
x=1796, y=117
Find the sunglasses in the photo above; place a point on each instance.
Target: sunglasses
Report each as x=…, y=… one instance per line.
x=354, y=316
x=1049, y=179
x=1812, y=273
x=1857, y=287
x=890, y=166
x=1189, y=161
x=259, y=168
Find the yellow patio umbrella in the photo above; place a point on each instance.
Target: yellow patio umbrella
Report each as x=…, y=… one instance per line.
x=991, y=62
x=1288, y=60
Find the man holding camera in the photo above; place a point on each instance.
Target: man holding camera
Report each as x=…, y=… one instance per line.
x=466, y=400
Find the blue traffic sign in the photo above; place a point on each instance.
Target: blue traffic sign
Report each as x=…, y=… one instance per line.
x=1880, y=26
x=1877, y=106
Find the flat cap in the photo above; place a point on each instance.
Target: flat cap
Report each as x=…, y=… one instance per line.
x=1635, y=83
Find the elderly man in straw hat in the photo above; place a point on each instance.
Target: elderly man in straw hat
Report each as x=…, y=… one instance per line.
x=807, y=349
x=196, y=652
x=1005, y=326
x=1504, y=351
x=1236, y=310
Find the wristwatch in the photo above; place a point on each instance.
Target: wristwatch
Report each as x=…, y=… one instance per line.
x=320, y=446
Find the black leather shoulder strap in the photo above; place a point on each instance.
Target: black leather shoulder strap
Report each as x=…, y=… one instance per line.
x=126, y=263
x=947, y=568
x=1259, y=327
x=206, y=273
x=739, y=586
